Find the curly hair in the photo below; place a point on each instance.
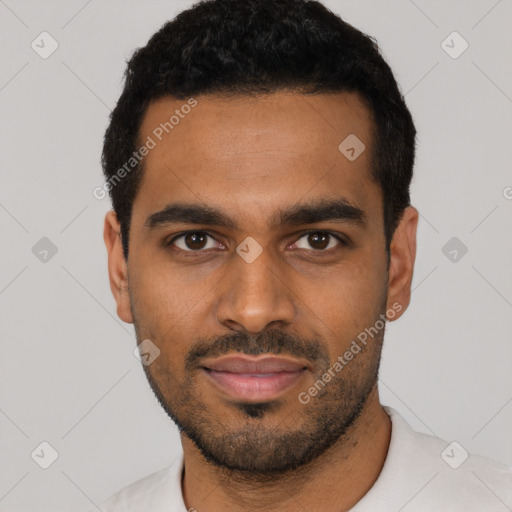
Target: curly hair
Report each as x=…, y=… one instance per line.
x=251, y=47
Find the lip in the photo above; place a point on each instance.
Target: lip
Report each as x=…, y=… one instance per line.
x=254, y=379
x=241, y=363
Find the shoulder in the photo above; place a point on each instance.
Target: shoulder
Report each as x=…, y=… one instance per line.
x=441, y=475
x=160, y=490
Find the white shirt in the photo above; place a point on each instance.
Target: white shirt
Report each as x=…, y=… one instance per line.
x=421, y=473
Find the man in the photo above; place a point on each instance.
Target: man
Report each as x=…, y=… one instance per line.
x=259, y=162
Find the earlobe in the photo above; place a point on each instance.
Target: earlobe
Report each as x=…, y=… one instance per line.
x=401, y=264
x=117, y=266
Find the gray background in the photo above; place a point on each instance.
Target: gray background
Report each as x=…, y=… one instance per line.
x=67, y=372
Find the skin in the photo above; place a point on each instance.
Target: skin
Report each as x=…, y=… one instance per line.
x=251, y=157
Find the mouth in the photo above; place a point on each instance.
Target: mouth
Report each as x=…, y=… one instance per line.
x=254, y=379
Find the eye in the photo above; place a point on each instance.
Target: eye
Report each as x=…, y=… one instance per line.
x=193, y=241
x=198, y=241
x=321, y=241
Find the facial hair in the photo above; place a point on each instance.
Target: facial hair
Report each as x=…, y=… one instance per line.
x=251, y=445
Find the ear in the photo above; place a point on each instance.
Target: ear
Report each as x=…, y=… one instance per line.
x=117, y=266
x=401, y=263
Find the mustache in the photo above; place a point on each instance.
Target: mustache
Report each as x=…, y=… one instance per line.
x=272, y=341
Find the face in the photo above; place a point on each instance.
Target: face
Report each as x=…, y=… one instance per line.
x=257, y=264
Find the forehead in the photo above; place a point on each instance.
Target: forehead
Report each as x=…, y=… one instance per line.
x=260, y=152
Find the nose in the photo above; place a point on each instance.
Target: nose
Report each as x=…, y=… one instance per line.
x=255, y=296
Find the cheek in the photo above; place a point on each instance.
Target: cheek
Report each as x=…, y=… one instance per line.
x=161, y=317
x=165, y=295
x=348, y=300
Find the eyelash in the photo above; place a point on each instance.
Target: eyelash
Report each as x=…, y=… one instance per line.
x=343, y=242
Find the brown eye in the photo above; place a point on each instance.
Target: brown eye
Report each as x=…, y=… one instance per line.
x=319, y=241
x=193, y=241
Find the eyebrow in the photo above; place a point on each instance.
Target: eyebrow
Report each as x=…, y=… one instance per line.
x=340, y=210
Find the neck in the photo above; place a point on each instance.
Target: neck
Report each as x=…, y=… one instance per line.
x=335, y=481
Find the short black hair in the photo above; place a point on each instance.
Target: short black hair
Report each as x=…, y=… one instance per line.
x=250, y=47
